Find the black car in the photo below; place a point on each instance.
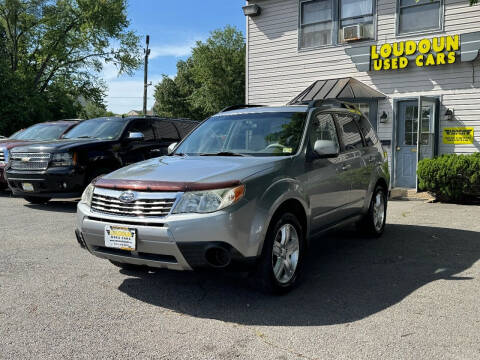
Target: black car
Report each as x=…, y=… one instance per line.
x=63, y=168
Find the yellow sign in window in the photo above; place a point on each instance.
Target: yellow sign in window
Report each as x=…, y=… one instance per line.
x=458, y=135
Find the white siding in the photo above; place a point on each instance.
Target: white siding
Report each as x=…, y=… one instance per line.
x=278, y=71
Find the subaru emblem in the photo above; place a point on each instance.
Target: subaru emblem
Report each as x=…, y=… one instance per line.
x=127, y=197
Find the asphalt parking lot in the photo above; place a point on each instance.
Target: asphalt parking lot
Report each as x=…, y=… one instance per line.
x=413, y=294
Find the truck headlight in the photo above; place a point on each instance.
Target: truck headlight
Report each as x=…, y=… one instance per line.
x=209, y=201
x=62, y=159
x=87, y=195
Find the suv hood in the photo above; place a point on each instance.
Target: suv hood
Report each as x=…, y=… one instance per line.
x=57, y=145
x=8, y=144
x=196, y=169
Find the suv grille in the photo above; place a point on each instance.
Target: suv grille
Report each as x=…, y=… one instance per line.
x=140, y=208
x=30, y=161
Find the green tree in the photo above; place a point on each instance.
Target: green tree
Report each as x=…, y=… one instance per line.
x=211, y=79
x=53, y=53
x=92, y=110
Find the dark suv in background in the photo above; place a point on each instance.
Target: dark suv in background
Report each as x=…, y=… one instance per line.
x=46, y=131
x=63, y=168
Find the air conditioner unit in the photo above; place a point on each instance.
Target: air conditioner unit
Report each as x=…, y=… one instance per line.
x=353, y=32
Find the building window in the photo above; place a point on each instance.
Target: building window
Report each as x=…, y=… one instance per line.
x=316, y=23
x=321, y=20
x=357, y=12
x=419, y=16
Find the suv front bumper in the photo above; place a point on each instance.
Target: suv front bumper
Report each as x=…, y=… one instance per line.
x=59, y=182
x=177, y=242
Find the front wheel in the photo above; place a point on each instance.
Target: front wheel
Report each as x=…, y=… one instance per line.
x=37, y=200
x=373, y=223
x=283, y=254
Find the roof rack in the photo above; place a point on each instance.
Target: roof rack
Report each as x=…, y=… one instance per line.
x=239, y=106
x=329, y=103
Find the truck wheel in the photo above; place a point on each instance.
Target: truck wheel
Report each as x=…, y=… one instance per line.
x=282, y=257
x=37, y=200
x=373, y=223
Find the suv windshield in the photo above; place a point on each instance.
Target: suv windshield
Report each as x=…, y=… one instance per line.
x=41, y=132
x=102, y=129
x=261, y=134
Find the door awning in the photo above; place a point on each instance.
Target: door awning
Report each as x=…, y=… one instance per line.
x=343, y=88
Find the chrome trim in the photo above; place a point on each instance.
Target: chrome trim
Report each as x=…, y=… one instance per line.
x=29, y=161
x=147, y=204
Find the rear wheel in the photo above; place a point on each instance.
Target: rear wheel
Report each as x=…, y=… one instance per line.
x=373, y=223
x=37, y=200
x=283, y=254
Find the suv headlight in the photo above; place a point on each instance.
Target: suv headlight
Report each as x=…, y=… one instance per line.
x=87, y=195
x=62, y=159
x=209, y=201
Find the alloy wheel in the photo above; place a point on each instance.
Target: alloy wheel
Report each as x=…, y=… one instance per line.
x=379, y=211
x=285, y=254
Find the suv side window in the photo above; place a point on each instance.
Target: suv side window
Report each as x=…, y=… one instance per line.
x=143, y=126
x=367, y=131
x=323, y=128
x=165, y=131
x=351, y=137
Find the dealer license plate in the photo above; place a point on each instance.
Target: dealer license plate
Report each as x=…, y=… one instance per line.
x=27, y=187
x=120, y=237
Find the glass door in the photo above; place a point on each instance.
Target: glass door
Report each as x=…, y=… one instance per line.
x=426, y=129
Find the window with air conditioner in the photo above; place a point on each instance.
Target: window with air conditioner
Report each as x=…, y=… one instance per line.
x=356, y=20
x=332, y=22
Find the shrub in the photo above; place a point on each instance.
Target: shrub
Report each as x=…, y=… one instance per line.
x=451, y=177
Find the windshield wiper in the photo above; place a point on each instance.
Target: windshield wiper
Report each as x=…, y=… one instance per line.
x=222, y=153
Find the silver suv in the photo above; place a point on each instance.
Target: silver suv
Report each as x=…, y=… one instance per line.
x=246, y=190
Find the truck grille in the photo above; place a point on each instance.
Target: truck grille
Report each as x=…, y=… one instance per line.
x=2, y=155
x=142, y=207
x=30, y=161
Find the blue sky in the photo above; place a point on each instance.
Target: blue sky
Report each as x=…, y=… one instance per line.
x=174, y=27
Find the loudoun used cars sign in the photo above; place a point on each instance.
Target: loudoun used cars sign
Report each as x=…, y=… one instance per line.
x=436, y=51
x=426, y=52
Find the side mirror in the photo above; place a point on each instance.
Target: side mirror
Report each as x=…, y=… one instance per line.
x=326, y=148
x=135, y=136
x=171, y=148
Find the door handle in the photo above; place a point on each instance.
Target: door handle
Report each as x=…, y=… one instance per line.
x=346, y=167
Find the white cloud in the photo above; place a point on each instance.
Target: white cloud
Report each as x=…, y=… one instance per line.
x=171, y=50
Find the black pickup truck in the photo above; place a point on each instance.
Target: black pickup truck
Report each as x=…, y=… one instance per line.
x=62, y=169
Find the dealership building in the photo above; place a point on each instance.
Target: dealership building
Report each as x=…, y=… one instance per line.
x=391, y=57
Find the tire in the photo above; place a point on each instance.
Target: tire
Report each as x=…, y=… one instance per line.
x=272, y=274
x=126, y=266
x=373, y=223
x=37, y=200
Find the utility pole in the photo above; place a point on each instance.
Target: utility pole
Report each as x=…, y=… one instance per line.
x=145, y=78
